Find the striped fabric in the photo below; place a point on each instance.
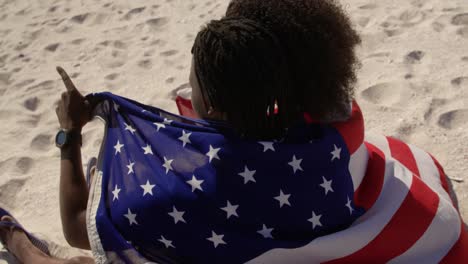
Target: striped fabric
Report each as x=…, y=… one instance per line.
x=406, y=214
x=410, y=216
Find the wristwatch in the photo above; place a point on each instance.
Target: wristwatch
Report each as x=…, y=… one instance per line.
x=64, y=137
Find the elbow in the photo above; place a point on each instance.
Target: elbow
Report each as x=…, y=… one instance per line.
x=71, y=237
x=77, y=240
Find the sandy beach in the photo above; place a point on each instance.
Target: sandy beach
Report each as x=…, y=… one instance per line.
x=412, y=84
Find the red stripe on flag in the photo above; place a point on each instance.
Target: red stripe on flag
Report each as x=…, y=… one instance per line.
x=407, y=225
x=459, y=252
x=352, y=130
x=402, y=152
x=443, y=177
x=371, y=186
x=185, y=107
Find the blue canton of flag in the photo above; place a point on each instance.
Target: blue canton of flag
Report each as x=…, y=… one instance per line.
x=179, y=189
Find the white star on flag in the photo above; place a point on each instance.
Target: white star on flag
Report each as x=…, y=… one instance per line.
x=167, y=164
x=147, y=188
x=296, y=164
x=118, y=147
x=315, y=220
x=336, y=153
x=130, y=128
x=167, y=121
x=159, y=125
x=350, y=207
x=177, y=215
x=131, y=217
x=213, y=153
x=216, y=239
x=167, y=243
x=185, y=138
x=326, y=185
x=267, y=146
x=283, y=199
x=248, y=175
x=116, y=107
x=230, y=209
x=148, y=149
x=130, y=167
x=116, y=192
x=196, y=184
x=265, y=232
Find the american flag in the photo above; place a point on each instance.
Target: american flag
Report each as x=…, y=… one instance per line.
x=174, y=189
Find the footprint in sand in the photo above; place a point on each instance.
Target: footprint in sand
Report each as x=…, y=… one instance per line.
x=363, y=21
x=368, y=6
x=435, y=104
x=53, y=9
x=387, y=94
x=157, y=23
x=170, y=80
x=111, y=76
x=9, y=191
x=453, y=119
x=42, y=142
x=133, y=12
x=145, y=64
x=78, y=41
x=31, y=104
x=412, y=17
x=460, y=81
x=80, y=19
x=52, y=47
x=460, y=20
x=414, y=57
x=24, y=164
x=169, y=53
x=120, y=44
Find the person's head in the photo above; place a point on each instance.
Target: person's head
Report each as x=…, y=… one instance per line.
x=239, y=74
x=319, y=43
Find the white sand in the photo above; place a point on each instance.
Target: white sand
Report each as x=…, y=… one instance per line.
x=413, y=83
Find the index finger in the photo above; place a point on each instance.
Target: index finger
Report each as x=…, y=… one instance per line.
x=66, y=79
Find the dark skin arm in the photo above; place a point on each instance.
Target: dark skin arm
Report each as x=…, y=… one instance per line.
x=73, y=112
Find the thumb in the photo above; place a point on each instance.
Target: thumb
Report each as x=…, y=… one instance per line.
x=66, y=80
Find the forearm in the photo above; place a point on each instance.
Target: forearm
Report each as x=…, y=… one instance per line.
x=73, y=196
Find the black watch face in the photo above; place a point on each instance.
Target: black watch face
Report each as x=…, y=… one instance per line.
x=61, y=138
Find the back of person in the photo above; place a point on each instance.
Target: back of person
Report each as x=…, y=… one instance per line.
x=272, y=174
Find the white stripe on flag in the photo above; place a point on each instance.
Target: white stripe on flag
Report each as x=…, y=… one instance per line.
x=437, y=241
x=380, y=142
x=358, y=165
x=397, y=182
x=429, y=172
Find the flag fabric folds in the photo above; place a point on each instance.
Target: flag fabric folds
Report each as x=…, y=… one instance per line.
x=174, y=189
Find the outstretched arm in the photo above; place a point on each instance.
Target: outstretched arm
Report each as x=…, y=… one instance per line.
x=73, y=112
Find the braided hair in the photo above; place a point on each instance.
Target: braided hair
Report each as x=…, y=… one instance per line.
x=243, y=72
